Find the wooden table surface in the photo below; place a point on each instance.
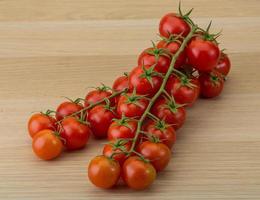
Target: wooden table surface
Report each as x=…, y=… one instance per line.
x=50, y=49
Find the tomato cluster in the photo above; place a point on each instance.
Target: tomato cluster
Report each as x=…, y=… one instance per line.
x=141, y=113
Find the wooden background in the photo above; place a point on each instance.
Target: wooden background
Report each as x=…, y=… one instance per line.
x=55, y=48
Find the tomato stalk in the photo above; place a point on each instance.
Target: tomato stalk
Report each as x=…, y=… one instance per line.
x=161, y=90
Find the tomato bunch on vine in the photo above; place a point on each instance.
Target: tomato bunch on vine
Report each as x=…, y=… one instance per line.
x=142, y=112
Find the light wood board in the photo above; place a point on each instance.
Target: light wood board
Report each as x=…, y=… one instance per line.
x=50, y=49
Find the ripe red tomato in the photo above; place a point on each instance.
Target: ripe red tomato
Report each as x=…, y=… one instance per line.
x=157, y=57
x=184, y=90
x=131, y=105
x=40, y=121
x=164, y=132
x=224, y=64
x=75, y=133
x=97, y=95
x=170, y=112
x=122, y=129
x=120, y=83
x=67, y=108
x=116, y=148
x=104, y=172
x=203, y=55
x=173, y=46
x=100, y=117
x=173, y=24
x=211, y=84
x=137, y=173
x=144, y=81
x=46, y=145
x=158, y=153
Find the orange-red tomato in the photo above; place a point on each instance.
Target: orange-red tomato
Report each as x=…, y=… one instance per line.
x=137, y=173
x=46, y=145
x=104, y=172
x=40, y=121
x=67, y=108
x=158, y=153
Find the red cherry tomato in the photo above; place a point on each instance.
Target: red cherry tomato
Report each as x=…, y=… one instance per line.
x=173, y=24
x=122, y=129
x=115, y=147
x=164, y=132
x=104, y=172
x=170, y=112
x=158, y=153
x=211, y=84
x=120, y=83
x=40, y=121
x=75, y=133
x=173, y=47
x=144, y=81
x=67, y=108
x=203, y=55
x=223, y=65
x=137, y=173
x=46, y=145
x=100, y=118
x=157, y=57
x=184, y=90
x=131, y=105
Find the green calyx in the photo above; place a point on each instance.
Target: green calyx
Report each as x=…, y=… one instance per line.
x=186, y=17
x=150, y=73
x=103, y=87
x=124, y=121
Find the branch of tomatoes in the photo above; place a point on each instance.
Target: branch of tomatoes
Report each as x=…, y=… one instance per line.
x=142, y=112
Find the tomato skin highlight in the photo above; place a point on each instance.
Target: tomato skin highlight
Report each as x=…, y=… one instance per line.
x=100, y=119
x=104, y=172
x=176, y=119
x=142, y=84
x=67, y=108
x=147, y=59
x=46, y=145
x=38, y=122
x=224, y=64
x=172, y=24
x=158, y=153
x=138, y=174
x=182, y=93
x=167, y=136
x=117, y=131
x=211, y=84
x=109, y=149
x=75, y=133
x=131, y=109
x=120, y=83
x=203, y=55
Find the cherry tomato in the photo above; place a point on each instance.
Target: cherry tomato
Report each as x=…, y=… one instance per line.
x=165, y=133
x=170, y=112
x=137, y=173
x=120, y=83
x=144, y=81
x=158, y=153
x=184, y=90
x=224, y=64
x=173, y=46
x=122, y=129
x=173, y=24
x=211, y=84
x=131, y=105
x=154, y=56
x=97, y=95
x=40, y=121
x=67, y=108
x=203, y=55
x=100, y=117
x=116, y=147
x=46, y=145
x=75, y=133
x=104, y=172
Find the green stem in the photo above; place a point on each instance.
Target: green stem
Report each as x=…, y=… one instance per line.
x=160, y=91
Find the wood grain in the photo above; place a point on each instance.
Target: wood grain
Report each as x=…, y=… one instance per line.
x=50, y=49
